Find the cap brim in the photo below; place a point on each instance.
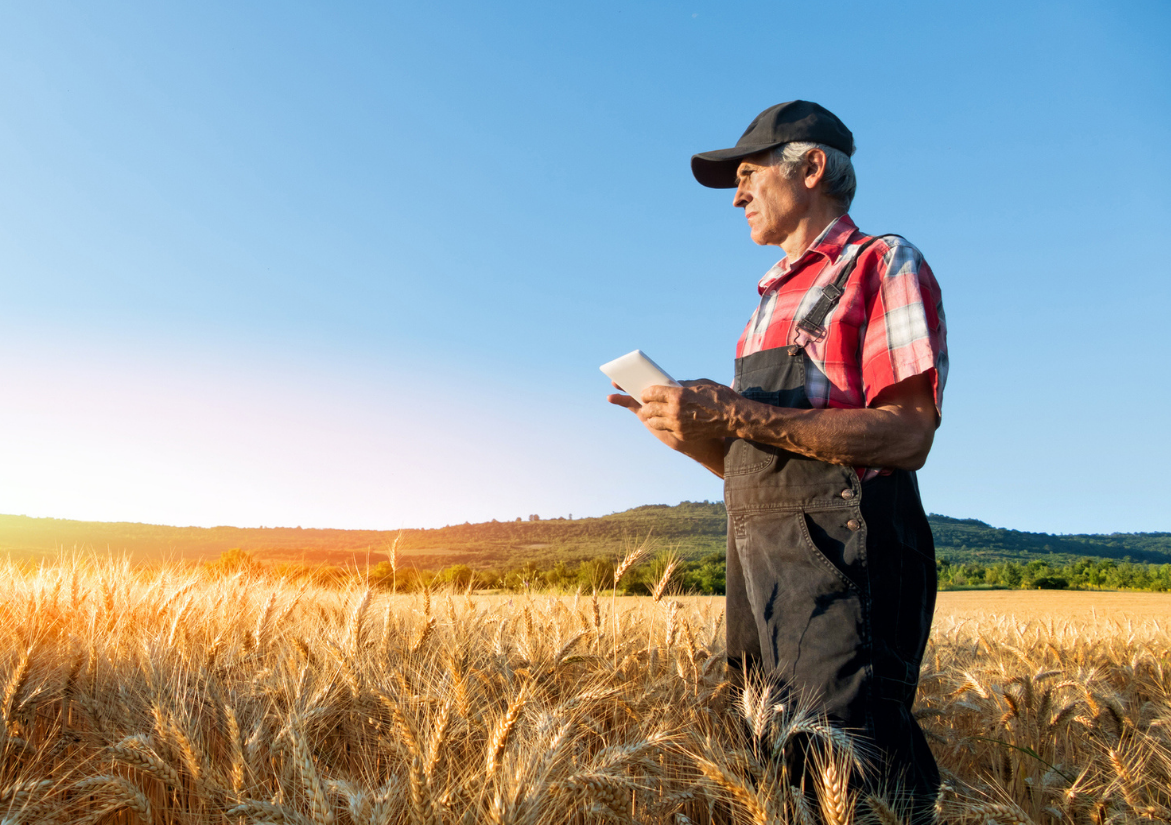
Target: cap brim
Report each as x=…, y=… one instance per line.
x=717, y=170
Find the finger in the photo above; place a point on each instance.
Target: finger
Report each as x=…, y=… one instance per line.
x=663, y=424
x=651, y=409
x=623, y=401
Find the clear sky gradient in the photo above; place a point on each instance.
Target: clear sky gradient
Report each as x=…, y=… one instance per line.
x=356, y=265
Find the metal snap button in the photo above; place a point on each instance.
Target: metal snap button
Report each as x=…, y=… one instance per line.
x=848, y=493
x=854, y=524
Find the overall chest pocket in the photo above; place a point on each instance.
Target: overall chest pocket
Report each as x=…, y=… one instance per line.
x=745, y=457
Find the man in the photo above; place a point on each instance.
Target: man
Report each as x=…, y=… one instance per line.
x=838, y=384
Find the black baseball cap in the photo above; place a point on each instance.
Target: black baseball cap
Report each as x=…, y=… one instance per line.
x=783, y=123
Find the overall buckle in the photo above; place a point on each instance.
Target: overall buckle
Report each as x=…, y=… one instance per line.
x=816, y=332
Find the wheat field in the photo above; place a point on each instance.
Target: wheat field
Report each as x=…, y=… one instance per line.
x=177, y=695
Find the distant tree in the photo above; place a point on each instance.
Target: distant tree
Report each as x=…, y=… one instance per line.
x=1050, y=583
x=234, y=560
x=560, y=577
x=458, y=576
x=596, y=574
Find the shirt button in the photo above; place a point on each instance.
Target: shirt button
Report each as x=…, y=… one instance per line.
x=847, y=493
x=854, y=524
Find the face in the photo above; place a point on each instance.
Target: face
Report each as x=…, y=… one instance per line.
x=773, y=204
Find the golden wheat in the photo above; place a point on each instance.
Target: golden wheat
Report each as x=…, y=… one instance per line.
x=178, y=695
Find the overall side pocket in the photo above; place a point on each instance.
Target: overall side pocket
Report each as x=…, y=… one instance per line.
x=830, y=540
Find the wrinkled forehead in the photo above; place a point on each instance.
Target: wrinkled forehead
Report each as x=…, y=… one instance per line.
x=757, y=161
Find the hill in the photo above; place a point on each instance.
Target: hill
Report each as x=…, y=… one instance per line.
x=970, y=540
x=695, y=529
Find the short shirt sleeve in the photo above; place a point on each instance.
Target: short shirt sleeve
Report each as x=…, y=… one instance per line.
x=906, y=332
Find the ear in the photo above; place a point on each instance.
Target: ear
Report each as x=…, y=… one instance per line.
x=815, y=162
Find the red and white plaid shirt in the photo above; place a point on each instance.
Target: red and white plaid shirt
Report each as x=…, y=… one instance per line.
x=887, y=327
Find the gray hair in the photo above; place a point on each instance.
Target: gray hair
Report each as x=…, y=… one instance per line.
x=839, y=179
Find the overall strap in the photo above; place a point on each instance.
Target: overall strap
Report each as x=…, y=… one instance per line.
x=813, y=322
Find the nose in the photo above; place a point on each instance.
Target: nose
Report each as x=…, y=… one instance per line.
x=742, y=198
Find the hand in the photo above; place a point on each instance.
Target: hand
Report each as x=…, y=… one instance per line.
x=696, y=412
x=699, y=411
x=685, y=418
x=634, y=406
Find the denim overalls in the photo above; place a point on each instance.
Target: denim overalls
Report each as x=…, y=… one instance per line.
x=831, y=581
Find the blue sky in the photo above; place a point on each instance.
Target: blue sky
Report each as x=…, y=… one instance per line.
x=356, y=265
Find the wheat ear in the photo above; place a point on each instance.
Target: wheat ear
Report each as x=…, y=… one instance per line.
x=424, y=633
x=125, y=794
x=503, y=730
x=237, y=750
x=354, y=632
x=664, y=580
x=435, y=745
x=735, y=788
x=320, y=810
x=136, y=752
x=805, y=815
x=255, y=810
x=262, y=621
x=13, y=687
x=882, y=812
x=833, y=792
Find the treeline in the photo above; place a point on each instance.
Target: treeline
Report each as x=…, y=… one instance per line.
x=704, y=576
x=1083, y=574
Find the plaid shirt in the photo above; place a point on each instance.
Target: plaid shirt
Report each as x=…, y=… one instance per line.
x=888, y=326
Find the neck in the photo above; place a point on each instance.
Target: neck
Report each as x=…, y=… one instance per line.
x=808, y=228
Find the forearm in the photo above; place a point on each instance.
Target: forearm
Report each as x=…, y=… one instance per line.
x=895, y=432
x=709, y=453
x=855, y=438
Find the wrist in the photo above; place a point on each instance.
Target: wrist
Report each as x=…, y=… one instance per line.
x=757, y=421
x=742, y=419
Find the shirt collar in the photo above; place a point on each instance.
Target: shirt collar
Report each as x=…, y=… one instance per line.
x=829, y=244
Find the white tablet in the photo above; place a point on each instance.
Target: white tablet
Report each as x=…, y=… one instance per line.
x=634, y=372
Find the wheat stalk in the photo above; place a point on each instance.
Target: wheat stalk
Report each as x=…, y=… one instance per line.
x=392, y=557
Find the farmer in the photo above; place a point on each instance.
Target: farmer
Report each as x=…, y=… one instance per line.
x=838, y=384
